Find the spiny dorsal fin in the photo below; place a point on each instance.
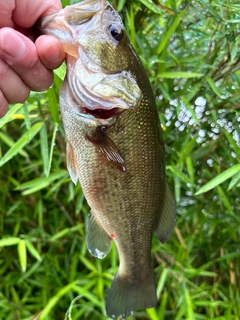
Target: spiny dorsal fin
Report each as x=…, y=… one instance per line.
x=108, y=148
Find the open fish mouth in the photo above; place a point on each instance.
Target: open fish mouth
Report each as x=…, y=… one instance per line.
x=101, y=113
x=103, y=96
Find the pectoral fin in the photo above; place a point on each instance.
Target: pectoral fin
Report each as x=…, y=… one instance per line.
x=167, y=219
x=98, y=241
x=71, y=163
x=108, y=148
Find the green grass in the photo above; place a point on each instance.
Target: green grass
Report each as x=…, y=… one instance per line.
x=191, y=52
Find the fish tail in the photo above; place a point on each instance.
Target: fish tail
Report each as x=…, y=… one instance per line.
x=126, y=296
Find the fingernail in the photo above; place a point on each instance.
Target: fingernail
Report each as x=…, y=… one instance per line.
x=12, y=44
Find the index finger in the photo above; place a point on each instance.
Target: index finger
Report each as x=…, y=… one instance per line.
x=6, y=9
x=25, y=13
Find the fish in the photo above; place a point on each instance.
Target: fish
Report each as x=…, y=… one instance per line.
x=114, y=147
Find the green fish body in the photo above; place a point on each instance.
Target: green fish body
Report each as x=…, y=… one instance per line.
x=114, y=147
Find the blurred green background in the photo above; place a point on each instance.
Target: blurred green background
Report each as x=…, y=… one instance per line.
x=191, y=52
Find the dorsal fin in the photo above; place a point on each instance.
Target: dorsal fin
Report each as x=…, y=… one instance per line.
x=167, y=220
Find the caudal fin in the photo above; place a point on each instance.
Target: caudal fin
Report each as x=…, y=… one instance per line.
x=127, y=296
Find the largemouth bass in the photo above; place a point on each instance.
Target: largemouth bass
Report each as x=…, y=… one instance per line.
x=114, y=147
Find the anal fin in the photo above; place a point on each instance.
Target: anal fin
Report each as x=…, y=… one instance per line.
x=167, y=220
x=108, y=148
x=98, y=241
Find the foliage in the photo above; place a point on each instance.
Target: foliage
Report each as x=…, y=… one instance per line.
x=191, y=52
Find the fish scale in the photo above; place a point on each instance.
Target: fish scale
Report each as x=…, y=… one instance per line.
x=118, y=157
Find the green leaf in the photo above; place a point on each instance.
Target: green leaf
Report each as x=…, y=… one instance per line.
x=190, y=305
x=61, y=71
x=11, y=241
x=176, y=171
x=6, y=139
x=213, y=86
x=235, y=180
x=44, y=149
x=21, y=143
x=22, y=253
x=190, y=168
x=224, y=199
x=32, y=250
x=152, y=6
x=10, y=113
x=227, y=174
x=121, y=4
x=26, y=117
x=234, y=51
x=187, y=149
x=192, y=110
x=53, y=104
x=54, y=300
x=88, y=264
x=161, y=282
x=179, y=74
x=131, y=23
x=66, y=231
x=40, y=183
x=164, y=41
x=51, y=149
x=152, y=314
x=232, y=143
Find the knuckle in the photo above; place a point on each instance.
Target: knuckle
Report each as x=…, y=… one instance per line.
x=40, y=79
x=31, y=58
x=13, y=88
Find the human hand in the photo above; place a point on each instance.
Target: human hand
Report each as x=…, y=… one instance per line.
x=25, y=65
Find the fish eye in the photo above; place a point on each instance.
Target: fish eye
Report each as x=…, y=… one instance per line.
x=116, y=32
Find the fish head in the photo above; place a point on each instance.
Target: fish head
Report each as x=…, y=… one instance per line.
x=99, y=57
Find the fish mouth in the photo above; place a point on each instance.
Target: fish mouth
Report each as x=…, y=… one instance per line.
x=101, y=113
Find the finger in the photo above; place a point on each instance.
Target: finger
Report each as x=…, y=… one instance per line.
x=21, y=54
x=27, y=12
x=3, y=105
x=6, y=13
x=11, y=85
x=50, y=51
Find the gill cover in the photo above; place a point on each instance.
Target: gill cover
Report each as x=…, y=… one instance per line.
x=93, y=36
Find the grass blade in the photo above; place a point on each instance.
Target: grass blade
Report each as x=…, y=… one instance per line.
x=40, y=183
x=169, y=33
x=179, y=75
x=22, y=253
x=213, y=86
x=11, y=241
x=10, y=113
x=44, y=149
x=152, y=6
x=227, y=174
x=9, y=142
x=53, y=104
x=32, y=250
x=61, y=71
x=51, y=149
x=21, y=143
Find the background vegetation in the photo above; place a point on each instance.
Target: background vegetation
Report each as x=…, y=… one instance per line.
x=191, y=52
